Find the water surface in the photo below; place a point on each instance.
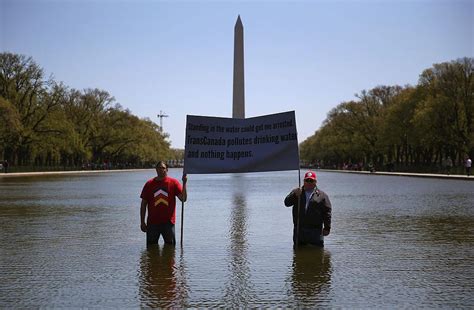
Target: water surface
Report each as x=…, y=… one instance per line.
x=75, y=240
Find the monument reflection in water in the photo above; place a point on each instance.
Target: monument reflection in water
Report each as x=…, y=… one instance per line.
x=238, y=287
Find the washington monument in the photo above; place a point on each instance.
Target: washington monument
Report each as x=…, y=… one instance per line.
x=238, y=99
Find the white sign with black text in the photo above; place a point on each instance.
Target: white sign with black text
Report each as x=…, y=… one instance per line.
x=230, y=145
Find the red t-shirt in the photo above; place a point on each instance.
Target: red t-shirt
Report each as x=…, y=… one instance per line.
x=161, y=199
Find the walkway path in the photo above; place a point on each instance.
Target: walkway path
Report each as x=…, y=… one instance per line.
x=28, y=174
x=407, y=174
x=403, y=174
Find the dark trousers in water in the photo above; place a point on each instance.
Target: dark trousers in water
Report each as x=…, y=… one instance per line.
x=308, y=235
x=154, y=231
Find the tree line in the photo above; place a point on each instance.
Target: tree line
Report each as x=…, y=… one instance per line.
x=409, y=128
x=45, y=123
x=48, y=124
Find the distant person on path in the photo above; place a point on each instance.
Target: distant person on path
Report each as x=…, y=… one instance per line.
x=371, y=167
x=159, y=198
x=314, y=212
x=468, y=165
x=5, y=166
x=448, y=165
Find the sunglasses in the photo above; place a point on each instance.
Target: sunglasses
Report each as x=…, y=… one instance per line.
x=309, y=180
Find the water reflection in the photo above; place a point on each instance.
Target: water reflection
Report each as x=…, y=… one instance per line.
x=311, y=275
x=238, y=289
x=162, y=282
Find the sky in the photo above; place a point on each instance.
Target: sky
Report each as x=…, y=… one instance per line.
x=177, y=56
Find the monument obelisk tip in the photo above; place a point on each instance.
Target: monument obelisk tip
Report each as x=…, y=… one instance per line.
x=238, y=99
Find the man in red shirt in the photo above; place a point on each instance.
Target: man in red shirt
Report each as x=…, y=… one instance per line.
x=159, y=197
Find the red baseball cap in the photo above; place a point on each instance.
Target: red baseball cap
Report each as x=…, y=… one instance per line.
x=310, y=175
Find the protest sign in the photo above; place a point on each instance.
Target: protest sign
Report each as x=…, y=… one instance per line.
x=229, y=145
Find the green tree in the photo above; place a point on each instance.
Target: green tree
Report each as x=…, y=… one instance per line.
x=46, y=123
x=10, y=126
x=22, y=83
x=411, y=126
x=445, y=114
